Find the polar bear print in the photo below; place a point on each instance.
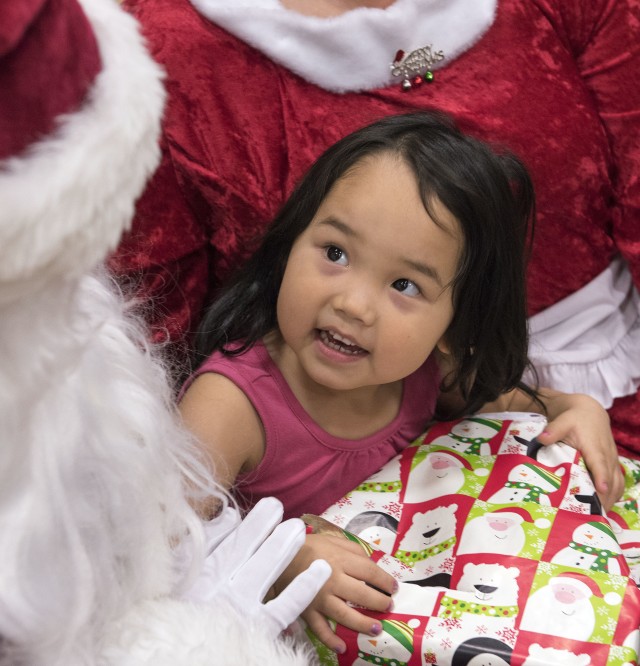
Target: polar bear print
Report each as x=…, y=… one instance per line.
x=528, y=482
x=547, y=656
x=561, y=608
x=415, y=600
x=427, y=544
x=494, y=532
x=393, y=645
x=385, y=481
x=472, y=435
x=490, y=583
x=440, y=473
x=593, y=547
x=486, y=594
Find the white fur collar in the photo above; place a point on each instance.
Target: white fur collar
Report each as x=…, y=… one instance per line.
x=353, y=51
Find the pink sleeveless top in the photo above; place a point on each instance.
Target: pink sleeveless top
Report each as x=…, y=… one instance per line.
x=305, y=467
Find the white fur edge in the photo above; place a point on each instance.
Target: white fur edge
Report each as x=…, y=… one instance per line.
x=67, y=199
x=167, y=632
x=353, y=51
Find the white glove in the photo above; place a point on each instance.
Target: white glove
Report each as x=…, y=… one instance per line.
x=245, y=564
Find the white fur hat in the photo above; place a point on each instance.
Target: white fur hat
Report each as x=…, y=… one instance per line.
x=79, y=122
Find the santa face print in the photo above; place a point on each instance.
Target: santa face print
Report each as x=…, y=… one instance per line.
x=494, y=532
x=439, y=473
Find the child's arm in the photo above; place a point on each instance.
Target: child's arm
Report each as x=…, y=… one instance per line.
x=581, y=422
x=228, y=427
x=354, y=578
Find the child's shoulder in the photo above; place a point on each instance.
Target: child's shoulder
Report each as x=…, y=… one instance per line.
x=215, y=389
x=232, y=365
x=221, y=385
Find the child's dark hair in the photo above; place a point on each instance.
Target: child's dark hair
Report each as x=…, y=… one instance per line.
x=490, y=194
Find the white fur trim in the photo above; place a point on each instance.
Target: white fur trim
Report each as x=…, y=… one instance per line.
x=353, y=51
x=174, y=633
x=67, y=199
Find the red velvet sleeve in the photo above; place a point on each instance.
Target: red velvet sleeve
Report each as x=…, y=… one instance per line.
x=604, y=36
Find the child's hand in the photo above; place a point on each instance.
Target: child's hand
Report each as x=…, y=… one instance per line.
x=351, y=571
x=582, y=422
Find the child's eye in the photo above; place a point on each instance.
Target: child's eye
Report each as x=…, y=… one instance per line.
x=336, y=255
x=406, y=287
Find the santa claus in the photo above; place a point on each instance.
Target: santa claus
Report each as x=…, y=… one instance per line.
x=104, y=560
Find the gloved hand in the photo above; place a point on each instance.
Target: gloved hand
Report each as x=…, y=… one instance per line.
x=242, y=566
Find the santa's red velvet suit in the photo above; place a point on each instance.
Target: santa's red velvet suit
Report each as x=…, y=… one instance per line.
x=256, y=92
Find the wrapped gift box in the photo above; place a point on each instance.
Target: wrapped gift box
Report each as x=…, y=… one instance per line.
x=501, y=549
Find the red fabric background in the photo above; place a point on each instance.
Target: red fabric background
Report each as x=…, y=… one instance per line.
x=555, y=81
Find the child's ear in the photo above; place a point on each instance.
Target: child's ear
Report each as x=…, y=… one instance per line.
x=444, y=358
x=442, y=346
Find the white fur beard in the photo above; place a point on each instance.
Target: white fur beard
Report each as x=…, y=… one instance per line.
x=91, y=489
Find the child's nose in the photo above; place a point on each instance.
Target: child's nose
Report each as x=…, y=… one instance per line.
x=357, y=303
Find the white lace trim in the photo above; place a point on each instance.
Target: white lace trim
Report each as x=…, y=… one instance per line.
x=352, y=51
x=590, y=341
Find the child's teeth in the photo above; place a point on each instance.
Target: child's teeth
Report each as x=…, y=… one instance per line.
x=341, y=339
x=340, y=343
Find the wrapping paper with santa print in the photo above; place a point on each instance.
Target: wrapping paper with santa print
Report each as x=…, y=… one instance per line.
x=501, y=550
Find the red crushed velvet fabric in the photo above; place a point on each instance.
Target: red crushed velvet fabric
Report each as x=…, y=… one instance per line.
x=556, y=81
x=57, y=51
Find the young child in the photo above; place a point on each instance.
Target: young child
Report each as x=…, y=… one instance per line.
x=390, y=285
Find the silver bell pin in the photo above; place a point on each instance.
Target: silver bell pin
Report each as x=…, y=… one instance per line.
x=415, y=67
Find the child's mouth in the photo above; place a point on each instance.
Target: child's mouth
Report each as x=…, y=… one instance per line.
x=339, y=343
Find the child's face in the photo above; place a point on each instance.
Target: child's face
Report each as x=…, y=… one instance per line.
x=364, y=297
